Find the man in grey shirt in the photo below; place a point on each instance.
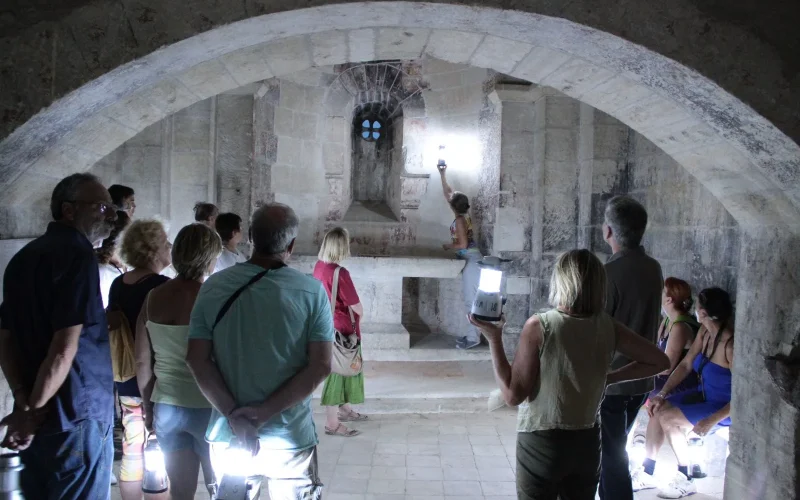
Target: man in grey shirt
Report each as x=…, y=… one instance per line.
x=634, y=287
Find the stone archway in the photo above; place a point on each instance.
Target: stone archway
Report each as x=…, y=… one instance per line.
x=740, y=157
x=745, y=161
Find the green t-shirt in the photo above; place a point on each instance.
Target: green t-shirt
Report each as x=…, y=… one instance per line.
x=261, y=342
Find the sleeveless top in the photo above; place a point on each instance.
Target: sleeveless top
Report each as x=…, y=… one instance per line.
x=175, y=384
x=470, y=237
x=574, y=359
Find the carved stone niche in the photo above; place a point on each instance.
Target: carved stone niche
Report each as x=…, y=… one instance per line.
x=382, y=190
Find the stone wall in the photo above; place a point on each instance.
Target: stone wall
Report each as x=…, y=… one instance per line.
x=202, y=153
x=689, y=231
x=312, y=170
x=561, y=161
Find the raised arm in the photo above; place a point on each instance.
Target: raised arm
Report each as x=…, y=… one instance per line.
x=446, y=189
x=516, y=382
x=647, y=359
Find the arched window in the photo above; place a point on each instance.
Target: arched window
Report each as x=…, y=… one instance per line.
x=371, y=129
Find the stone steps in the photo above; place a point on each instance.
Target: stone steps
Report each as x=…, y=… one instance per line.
x=425, y=386
x=393, y=342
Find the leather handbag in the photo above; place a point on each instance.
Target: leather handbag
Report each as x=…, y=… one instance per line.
x=347, y=360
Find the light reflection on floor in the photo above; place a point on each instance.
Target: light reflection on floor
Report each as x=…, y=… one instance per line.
x=436, y=457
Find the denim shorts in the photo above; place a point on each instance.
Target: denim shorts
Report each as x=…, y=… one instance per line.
x=180, y=428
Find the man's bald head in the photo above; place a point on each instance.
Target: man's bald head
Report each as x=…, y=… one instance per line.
x=273, y=229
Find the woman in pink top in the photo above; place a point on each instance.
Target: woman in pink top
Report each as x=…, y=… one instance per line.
x=340, y=392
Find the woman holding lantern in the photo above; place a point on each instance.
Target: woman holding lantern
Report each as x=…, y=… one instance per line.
x=462, y=242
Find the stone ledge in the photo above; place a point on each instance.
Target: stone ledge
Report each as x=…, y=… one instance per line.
x=390, y=266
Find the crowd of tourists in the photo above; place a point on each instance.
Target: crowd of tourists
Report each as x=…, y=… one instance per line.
x=230, y=350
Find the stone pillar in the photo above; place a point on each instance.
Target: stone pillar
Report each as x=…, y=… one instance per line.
x=765, y=436
x=233, y=147
x=556, y=188
x=511, y=236
x=265, y=144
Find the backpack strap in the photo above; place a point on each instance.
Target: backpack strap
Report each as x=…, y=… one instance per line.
x=335, y=289
x=334, y=296
x=238, y=292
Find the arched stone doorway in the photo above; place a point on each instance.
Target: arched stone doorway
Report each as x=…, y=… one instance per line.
x=745, y=161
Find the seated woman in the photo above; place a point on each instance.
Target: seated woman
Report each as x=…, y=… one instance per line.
x=174, y=406
x=677, y=332
x=700, y=411
x=559, y=376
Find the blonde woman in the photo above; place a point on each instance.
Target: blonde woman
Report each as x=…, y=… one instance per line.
x=340, y=392
x=174, y=406
x=146, y=250
x=559, y=376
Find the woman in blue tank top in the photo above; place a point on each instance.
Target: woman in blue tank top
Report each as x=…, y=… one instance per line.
x=699, y=411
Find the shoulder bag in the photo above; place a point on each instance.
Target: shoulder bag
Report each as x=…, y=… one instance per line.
x=347, y=360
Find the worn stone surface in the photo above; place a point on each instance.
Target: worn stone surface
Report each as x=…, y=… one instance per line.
x=677, y=107
x=765, y=437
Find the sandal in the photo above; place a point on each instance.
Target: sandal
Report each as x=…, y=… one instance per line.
x=341, y=431
x=352, y=416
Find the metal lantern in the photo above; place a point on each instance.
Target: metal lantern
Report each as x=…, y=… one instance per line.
x=488, y=303
x=235, y=465
x=155, y=470
x=10, y=469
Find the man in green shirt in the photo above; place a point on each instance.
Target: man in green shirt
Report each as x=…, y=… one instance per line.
x=259, y=361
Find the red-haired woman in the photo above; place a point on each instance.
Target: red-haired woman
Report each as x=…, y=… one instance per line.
x=677, y=331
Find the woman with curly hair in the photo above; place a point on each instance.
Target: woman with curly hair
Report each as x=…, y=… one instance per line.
x=146, y=250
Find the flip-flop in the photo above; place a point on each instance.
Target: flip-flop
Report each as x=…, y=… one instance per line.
x=341, y=431
x=353, y=416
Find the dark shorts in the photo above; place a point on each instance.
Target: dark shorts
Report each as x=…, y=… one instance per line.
x=70, y=465
x=558, y=463
x=180, y=428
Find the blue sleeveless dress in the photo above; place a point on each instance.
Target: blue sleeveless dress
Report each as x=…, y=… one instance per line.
x=715, y=386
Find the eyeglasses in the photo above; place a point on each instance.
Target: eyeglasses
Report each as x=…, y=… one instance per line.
x=103, y=207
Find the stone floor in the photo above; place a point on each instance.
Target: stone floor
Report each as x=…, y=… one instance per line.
x=437, y=456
